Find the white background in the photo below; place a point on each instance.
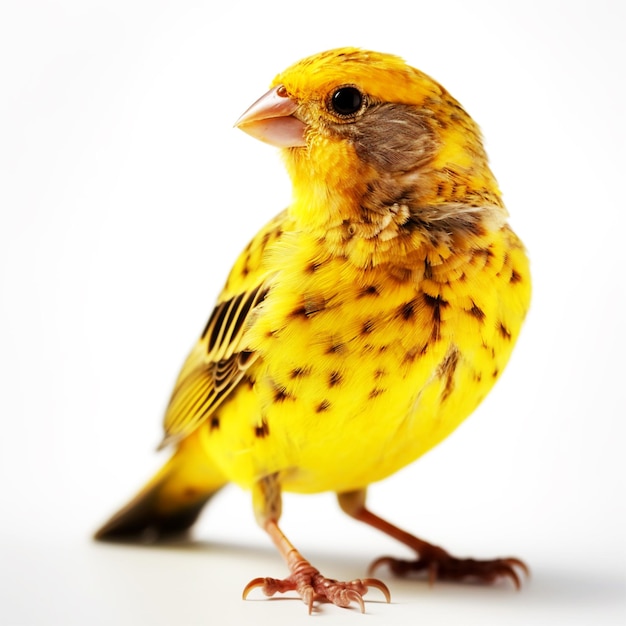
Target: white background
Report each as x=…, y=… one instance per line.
x=125, y=195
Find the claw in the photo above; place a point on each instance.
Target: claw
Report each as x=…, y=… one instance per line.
x=397, y=566
x=354, y=596
x=508, y=569
x=380, y=585
x=381, y=560
x=518, y=563
x=307, y=597
x=253, y=584
x=512, y=574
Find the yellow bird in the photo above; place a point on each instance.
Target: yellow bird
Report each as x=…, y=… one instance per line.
x=360, y=326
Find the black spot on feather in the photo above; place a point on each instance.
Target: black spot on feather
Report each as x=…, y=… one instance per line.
x=263, y=430
x=476, y=312
x=504, y=332
x=323, y=406
x=334, y=379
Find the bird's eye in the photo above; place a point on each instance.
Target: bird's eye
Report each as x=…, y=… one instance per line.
x=346, y=101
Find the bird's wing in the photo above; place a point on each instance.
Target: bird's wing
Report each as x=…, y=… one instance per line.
x=219, y=361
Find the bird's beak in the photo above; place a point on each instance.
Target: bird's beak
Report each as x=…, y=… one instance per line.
x=271, y=120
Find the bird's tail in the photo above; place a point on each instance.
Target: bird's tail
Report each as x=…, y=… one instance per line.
x=171, y=502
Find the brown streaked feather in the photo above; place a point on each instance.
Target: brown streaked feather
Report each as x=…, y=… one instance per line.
x=225, y=327
x=215, y=366
x=219, y=361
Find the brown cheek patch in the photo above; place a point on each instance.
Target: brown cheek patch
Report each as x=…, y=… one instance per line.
x=392, y=138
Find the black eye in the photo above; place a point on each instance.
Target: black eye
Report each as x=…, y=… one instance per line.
x=346, y=101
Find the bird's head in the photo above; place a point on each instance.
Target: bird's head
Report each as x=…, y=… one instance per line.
x=363, y=134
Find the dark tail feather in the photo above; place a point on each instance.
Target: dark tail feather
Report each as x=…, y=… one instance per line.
x=171, y=502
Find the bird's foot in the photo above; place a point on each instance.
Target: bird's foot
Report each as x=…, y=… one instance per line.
x=311, y=585
x=442, y=566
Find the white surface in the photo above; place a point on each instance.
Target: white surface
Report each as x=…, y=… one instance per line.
x=125, y=195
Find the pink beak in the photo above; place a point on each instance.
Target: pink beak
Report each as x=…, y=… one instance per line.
x=271, y=120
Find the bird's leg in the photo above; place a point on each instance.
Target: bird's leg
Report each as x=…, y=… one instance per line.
x=430, y=558
x=305, y=579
